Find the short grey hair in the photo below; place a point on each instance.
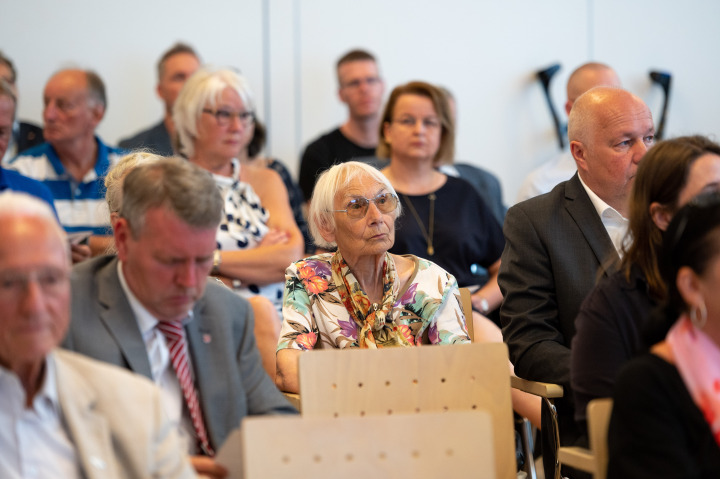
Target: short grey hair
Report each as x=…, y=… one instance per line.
x=185, y=189
x=16, y=204
x=6, y=89
x=116, y=175
x=203, y=90
x=331, y=183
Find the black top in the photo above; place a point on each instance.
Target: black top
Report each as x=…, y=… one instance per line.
x=466, y=232
x=155, y=139
x=296, y=201
x=321, y=154
x=607, y=335
x=656, y=430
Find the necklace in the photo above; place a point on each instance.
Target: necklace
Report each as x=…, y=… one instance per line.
x=428, y=234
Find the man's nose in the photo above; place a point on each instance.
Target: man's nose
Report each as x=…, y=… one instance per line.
x=32, y=299
x=186, y=275
x=640, y=149
x=50, y=111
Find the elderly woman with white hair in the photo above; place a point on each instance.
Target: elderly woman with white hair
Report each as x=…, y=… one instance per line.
x=361, y=295
x=214, y=117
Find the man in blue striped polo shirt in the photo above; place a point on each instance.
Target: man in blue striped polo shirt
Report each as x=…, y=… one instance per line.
x=73, y=161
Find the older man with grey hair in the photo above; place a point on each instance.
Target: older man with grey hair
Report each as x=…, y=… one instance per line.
x=152, y=310
x=64, y=415
x=73, y=161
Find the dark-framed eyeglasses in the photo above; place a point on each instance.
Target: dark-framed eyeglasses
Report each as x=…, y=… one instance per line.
x=225, y=117
x=358, y=207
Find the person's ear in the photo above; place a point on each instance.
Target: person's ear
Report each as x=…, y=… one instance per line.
x=327, y=232
x=386, y=132
x=688, y=285
x=660, y=215
x=568, y=107
x=579, y=153
x=122, y=234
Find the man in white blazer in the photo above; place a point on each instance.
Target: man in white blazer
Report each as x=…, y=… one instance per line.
x=61, y=414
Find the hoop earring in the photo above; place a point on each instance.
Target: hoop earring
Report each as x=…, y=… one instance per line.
x=700, y=309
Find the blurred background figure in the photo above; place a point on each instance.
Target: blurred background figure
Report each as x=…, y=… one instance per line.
x=561, y=168
x=361, y=88
x=24, y=134
x=175, y=66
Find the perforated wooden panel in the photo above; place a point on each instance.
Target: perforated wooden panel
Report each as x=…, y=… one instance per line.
x=389, y=381
x=440, y=445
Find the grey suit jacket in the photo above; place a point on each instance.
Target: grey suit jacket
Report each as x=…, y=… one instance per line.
x=229, y=376
x=556, y=248
x=116, y=422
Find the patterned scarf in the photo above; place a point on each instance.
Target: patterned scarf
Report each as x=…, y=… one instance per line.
x=377, y=329
x=697, y=358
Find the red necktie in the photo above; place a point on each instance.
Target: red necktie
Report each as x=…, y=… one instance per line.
x=173, y=332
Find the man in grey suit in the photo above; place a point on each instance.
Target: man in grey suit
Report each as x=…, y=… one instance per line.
x=559, y=243
x=61, y=414
x=165, y=237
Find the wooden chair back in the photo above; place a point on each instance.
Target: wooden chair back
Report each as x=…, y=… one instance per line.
x=362, y=382
x=449, y=444
x=595, y=459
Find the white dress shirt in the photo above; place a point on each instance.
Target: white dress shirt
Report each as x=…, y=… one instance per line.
x=162, y=370
x=34, y=442
x=615, y=224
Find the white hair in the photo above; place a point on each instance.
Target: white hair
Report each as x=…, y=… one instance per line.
x=203, y=90
x=332, y=182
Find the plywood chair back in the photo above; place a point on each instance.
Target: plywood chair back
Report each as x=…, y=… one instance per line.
x=439, y=445
x=463, y=377
x=595, y=459
x=466, y=303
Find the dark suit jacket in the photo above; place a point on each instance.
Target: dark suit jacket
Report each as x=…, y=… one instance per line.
x=156, y=139
x=556, y=248
x=27, y=135
x=230, y=379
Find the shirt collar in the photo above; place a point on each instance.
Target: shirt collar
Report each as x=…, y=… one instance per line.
x=604, y=210
x=46, y=401
x=146, y=321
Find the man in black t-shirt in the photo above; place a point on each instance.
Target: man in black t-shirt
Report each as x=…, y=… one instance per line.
x=361, y=89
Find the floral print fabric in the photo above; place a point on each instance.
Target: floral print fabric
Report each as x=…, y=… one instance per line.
x=314, y=316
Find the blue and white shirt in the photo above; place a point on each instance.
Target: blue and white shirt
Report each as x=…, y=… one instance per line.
x=80, y=206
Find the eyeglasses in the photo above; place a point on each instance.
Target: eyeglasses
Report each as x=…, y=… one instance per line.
x=224, y=117
x=431, y=123
x=370, y=81
x=50, y=280
x=358, y=207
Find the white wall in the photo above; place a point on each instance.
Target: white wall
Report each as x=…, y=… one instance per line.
x=485, y=51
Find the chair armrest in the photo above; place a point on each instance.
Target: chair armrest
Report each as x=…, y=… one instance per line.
x=577, y=457
x=294, y=400
x=545, y=390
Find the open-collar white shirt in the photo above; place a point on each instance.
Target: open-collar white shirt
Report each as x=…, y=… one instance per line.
x=615, y=224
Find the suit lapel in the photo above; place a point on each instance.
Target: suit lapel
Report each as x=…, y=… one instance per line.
x=119, y=319
x=89, y=430
x=581, y=209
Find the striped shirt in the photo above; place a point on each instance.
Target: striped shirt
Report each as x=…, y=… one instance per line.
x=80, y=206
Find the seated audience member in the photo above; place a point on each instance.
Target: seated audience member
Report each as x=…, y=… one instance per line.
x=257, y=238
x=361, y=295
x=12, y=180
x=558, y=245
x=612, y=317
x=486, y=184
x=116, y=176
x=64, y=415
x=249, y=155
x=666, y=411
x=361, y=88
x=563, y=167
x=24, y=135
x=445, y=219
x=173, y=69
x=73, y=161
x=151, y=309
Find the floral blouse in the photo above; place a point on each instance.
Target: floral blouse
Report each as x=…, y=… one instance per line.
x=312, y=308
